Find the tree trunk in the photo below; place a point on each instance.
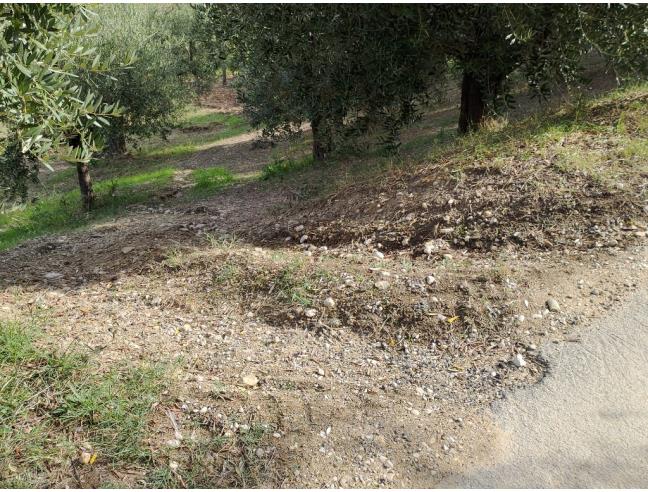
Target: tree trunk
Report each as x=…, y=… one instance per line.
x=85, y=185
x=224, y=75
x=117, y=144
x=321, y=141
x=472, y=104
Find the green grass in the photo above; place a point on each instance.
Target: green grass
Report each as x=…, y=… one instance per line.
x=53, y=405
x=63, y=211
x=281, y=167
x=202, y=117
x=209, y=180
x=209, y=128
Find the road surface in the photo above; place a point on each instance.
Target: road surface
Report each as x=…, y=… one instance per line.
x=586, y=424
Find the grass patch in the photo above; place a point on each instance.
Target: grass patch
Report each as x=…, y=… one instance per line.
x=197, y=132
x=281, y=167
x=55, y=405
x=210, y=180
x=61, y=212
x=205, y=116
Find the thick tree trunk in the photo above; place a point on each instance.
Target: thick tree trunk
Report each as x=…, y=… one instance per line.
x=224, y=75
x=85, y=185
x=472, y=104
x=321, y=141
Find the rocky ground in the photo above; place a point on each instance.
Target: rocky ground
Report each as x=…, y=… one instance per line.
x=368, y=329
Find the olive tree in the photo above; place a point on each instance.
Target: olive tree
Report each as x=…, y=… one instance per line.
x=347, y=68
x=342, y=69
x=44, y=106
x=168, y=64
x=545, y=43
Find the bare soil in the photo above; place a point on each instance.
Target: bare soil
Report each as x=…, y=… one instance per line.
x=389, y=386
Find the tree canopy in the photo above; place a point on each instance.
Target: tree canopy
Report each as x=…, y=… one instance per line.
x=345, y=68
x=42, y=102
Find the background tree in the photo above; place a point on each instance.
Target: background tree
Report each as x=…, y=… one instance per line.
x=545, y=43
x=170, y=65
x=42, y=103
x=342, y=69
x=346, y=69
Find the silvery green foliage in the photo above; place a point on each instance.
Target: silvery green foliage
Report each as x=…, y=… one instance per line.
x=166, y=65
x=348, y=68
x=42, y=101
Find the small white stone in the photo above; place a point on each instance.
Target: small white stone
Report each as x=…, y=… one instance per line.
x=552, y=304
x=519, y=361
x=381, y=285
x=303, y=239
x=250, y=380
x=430, y=279
x=310, y=313
x=378, y=254
x=299, y=228
x=329, y=302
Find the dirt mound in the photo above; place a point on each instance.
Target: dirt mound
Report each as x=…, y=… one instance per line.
x=551, y=186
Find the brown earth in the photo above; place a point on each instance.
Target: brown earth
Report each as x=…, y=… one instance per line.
x=388, y=386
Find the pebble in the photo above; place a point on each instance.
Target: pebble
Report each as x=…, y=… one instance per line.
x=53, y=275
x=552, y=304
x=250, y=380
x=329, y=302
x=127, y=249
x=303, y=239
x=299, y=228
x=381, y=285
x=519, y=361
x=310, y=313
x=379, y=255
x=430, y=279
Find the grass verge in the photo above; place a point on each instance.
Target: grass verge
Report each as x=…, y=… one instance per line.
x=64, y=212
x=58, y=415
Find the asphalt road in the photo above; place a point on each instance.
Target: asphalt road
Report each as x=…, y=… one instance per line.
x=585, y=425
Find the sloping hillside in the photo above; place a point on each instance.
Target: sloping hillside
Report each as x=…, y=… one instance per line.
x=343, y=324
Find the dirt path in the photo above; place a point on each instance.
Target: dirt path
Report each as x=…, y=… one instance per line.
x=586, y=424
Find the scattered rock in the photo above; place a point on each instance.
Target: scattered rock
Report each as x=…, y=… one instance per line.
x=303, y=239
x=250, y=380
x=127, y=249
x=299, y=228
x=381, y=285
x=430, y=279
x=519, y=361
x=378, y=254
x=310, y=313
x=53, y=275
x=552, y=304
x=329, y=302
